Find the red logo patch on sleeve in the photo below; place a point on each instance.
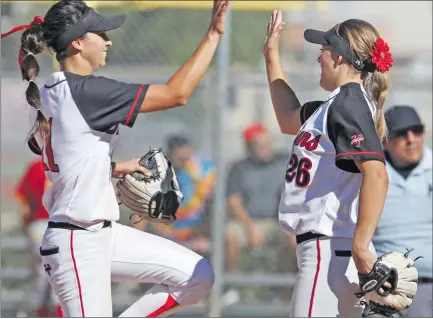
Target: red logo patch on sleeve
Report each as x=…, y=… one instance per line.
x=356, y=139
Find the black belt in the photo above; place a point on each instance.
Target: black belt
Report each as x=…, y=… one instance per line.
x=307, y=236
x=69, y=226
x=425, y=280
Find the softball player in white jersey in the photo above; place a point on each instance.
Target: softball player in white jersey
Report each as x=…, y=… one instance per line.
x=336, y=180
x=77, y=117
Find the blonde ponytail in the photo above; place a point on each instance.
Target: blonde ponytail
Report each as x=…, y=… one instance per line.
x=378, y=84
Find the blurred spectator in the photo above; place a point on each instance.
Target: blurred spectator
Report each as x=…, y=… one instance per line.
x=253, y=194
x=196, y=176
x=406, y=221
x=39, y=298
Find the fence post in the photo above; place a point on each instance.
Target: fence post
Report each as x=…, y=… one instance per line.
x=219, y=211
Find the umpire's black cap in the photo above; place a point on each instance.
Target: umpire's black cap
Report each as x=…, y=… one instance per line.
x=402, y=117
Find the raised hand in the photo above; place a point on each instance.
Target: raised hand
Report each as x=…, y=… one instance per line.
x=218, y=16
x=275, y=26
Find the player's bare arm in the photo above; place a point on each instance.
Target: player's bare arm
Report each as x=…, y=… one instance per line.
x=182, y=84
x=371, y=201
x=286, y=105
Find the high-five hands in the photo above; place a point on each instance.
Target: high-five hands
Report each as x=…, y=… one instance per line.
x=275, y=26
x=218, y=16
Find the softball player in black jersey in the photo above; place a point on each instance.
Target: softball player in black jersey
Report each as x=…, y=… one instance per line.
x=336, y=181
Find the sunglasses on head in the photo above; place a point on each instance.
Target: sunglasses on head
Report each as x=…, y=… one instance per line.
x=417, y=130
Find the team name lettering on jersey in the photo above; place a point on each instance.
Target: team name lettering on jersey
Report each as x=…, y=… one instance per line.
x=304, y=140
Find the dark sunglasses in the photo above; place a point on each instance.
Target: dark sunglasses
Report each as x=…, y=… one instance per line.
x=417, y=130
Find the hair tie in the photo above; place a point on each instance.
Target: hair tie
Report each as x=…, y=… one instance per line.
x=21, y=55
x=43, y=114
x=36, y=21
x=369, y=66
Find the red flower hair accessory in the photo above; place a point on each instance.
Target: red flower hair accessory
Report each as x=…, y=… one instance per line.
x=381, y=56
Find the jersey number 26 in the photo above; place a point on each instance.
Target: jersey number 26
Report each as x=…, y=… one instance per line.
x=298, y=171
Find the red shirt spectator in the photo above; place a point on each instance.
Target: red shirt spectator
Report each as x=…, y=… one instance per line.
x=31, y=189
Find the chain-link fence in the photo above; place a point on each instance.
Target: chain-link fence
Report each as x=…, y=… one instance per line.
x=149, y=48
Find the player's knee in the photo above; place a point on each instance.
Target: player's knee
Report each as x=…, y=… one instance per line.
x=201, y=281
x=205, y=275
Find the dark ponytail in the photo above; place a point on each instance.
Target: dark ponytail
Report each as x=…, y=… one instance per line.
x=33, y=43
x=40, y=34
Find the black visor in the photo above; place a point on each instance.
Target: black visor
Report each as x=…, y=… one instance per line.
x=332, y=39
x=90, y=22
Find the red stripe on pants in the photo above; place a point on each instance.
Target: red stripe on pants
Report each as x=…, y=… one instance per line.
x=76, y=273
x=169, y=304
x=313, y=291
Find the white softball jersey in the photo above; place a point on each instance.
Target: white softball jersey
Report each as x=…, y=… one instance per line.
x=84, y=113
x=83, y=249
x=322, y=180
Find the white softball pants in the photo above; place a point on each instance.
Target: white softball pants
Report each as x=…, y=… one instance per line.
x=327, y=280
x=85, y=263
